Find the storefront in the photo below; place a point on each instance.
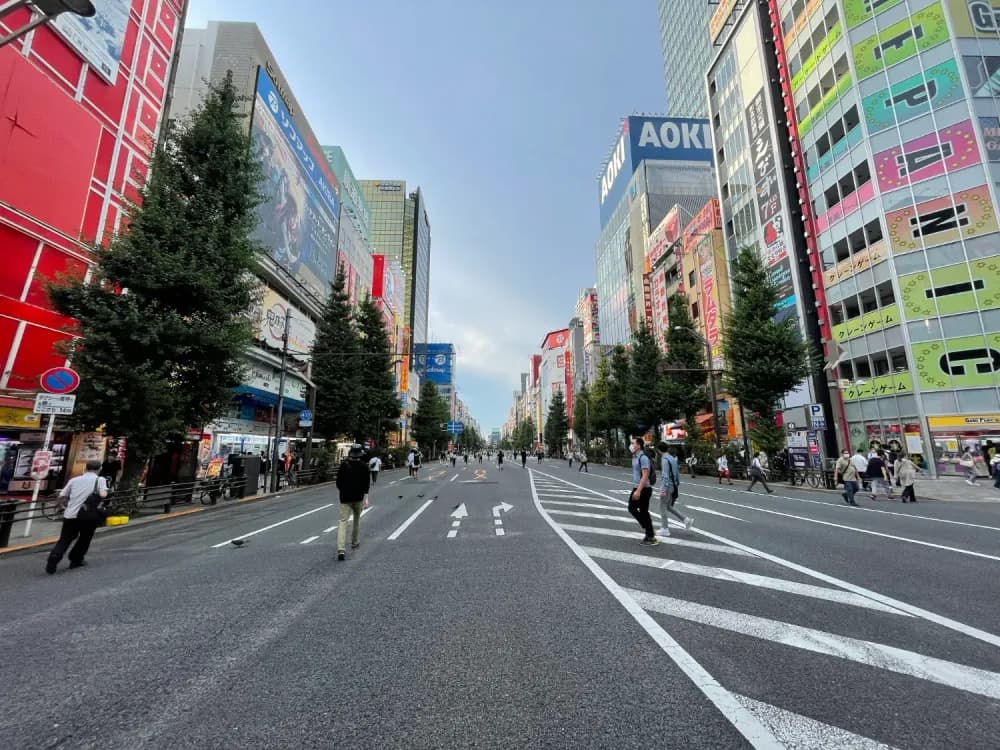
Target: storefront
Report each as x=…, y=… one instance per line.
x=952, y=435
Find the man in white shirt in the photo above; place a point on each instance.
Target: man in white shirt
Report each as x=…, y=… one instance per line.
x=73, y=496
x=374, y=467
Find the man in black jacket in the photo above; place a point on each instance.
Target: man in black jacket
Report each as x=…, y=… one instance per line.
x=353, y=482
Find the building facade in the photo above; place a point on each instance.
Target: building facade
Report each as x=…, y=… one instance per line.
x=687, y=52
x=657, y=162
x=81, y=108
x=436, y=362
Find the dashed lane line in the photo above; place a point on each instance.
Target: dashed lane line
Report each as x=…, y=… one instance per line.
x=272, y=526
x=398, y=532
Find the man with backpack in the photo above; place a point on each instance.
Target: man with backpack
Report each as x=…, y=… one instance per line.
x=643, y=476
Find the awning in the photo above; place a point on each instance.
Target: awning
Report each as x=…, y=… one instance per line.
x=253, y=395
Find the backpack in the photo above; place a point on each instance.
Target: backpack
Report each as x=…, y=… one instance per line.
x=652, y=468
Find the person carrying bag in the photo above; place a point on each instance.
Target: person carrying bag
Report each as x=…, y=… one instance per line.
x=84, y=498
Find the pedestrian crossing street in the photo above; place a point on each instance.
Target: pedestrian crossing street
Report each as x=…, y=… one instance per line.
x=792, y=660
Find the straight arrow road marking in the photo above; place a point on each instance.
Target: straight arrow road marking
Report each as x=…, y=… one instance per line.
x=398, y=532
x=869, y=653
x=460, y=512
x=750, y=579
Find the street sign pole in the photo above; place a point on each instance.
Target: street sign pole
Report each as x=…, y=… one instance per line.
x=281, y=404
x=38, y=482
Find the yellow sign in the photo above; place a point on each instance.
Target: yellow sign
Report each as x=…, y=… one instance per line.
x=801, y=21
x=876, y=320
x=13, y=416
x=404, y=376
x=965, y=422
x=719, y=19
x=884, y=385
x=856, y=263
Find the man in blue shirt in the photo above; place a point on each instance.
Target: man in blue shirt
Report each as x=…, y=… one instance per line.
x=638, y=501
x=669, y=489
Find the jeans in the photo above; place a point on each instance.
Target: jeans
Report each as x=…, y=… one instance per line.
x=71, y=529
x=640, y=510
x=667, y=507
x=346, y=510
x=584, y=467
x=374, y=476
x=850, y=490
x=754, y=478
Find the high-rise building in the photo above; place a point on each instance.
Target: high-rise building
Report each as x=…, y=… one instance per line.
x=81, y=107
x=891, y=132
x=587, y=312
x=354, y=254
x=298, y=226
x=436, y=363
x=687, y=53
x=401, y=230
x=657, y=162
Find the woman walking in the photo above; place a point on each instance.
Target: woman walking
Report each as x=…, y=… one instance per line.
x=906, y=473
x=758, y=472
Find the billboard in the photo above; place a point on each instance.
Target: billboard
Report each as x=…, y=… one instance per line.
x=98, y=39
x=436, y=362
x=355, y=204
x=919, y=31
x=355, y=258
x=947, y=150
x=556, y=339
x=968, y=213
x=298, y=220
x=267, y=317
x=938, y=86
x=653, y=138
x=975, y=18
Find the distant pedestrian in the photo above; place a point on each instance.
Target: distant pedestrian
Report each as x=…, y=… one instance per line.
x=878, y=477
x=691, y=462
x=906, y=474
x=845, y=471
x=82, y=497
x=638, y=500
x=571, y=459
x=374, y=467
x=539, y=454
x=353, y=482
x=861, y=465
x=500, y=460
x=584, y=466
x=465, y=457
x=524, y=458
x=722, y=467
x=968, y=464
x=758, y=473
x=670, y=489
x=995, y=466
x=411, y=461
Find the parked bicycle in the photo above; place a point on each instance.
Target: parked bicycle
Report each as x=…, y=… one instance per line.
x=812, y=477
x=211, y=491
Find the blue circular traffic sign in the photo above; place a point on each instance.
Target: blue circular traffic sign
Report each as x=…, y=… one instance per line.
x=60, y=380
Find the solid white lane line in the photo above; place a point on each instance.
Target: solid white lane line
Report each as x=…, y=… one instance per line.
x=310, y=539
x=716, y=513
x=453, y=533
x=499, y=532
x=745, y=722
x=947, y=622
x=869, y=653
x=547, y=503
x=635, y=535
x=453, y=478
x=332, y=528
x=803, y=733
x=859, y=530
x=736, y=576
x=273, y=525
x=396, y=534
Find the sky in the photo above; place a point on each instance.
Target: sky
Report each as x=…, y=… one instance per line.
x=503, y=112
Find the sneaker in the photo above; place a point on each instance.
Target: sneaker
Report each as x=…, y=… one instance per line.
x=970, y=483
x=664, y=532
x=651, y=542
x=341, y=554
x=355, y=545
x=688, y=523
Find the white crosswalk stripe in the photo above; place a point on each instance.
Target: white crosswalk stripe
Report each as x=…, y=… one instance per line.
x=593, y=519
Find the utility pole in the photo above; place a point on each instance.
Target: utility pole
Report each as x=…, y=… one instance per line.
x=281, y=403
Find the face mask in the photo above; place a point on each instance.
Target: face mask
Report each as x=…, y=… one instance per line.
x=633, y=449
x=846, y=454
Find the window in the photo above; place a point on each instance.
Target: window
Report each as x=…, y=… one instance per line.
x=694, y=311
x=691, y=279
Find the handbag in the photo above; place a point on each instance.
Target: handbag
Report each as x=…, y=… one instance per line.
x=93, y=509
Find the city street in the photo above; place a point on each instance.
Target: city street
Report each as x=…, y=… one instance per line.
x=516, y=609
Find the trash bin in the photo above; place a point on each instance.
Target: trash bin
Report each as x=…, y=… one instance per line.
x=7, y=509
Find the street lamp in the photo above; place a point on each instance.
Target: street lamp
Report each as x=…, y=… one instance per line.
x=48, y=10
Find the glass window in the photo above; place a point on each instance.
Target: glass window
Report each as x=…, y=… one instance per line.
x=978, y=400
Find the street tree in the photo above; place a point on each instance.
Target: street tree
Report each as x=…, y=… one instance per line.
x=163, y=323
x=645, y=387
x=377, y=403
x=583, y=413
x=620, y=417
x=766, y=356
x=601, y=422
x=430, y=423
x=557, y=423
x=685, y=366
x=526, y=435
x=336, y=365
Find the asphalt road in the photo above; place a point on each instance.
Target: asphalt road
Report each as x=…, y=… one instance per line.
x=515, y=609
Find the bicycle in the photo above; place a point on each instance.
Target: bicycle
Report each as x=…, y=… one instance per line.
x=806, y=475
x=212, y=490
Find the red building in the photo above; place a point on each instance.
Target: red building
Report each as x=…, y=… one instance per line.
x=80, y=106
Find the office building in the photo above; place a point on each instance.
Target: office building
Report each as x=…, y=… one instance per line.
x=657, y=162
x=436, y=362
x=354, y=253
x=687, y=53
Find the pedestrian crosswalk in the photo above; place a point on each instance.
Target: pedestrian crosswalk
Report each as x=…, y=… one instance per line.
x=780, y=641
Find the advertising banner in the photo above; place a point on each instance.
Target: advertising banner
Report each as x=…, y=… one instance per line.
x=968, y=213
x=975, y=18
x=989, y=129
x=435, y=362
x=267, y=316
x=98, y=39
x=718, y=20
x=661, y=322
x=706, y=220
x=780, y=275
x=884, y=385
x=922, y=30
x=661, y=238
x=876, y=320
x=298, y=220
x=963, y=362
x=951, y=148
x=356, y=259
x=959, y=288
x=983, y=74
x=710, y=304
x=938, y=86
x=856, y=263
x=858, y=11
x=775, y=247
x=647, y=300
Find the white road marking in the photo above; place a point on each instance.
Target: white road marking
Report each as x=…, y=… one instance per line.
x=625, y=518
x=273, y=525
x=310, y=539
x=545, y=495
x=869, y=653
x=497, y=522
x=456, y=524
x=581, y=505
x=453, y=533
x=453, y=478
x=716, y=513
x=332, y=528
x=635, y=535
x=924, y=614
x=859, y=530
x=396, y=534
x=499, y=532
x=736, y=576
x=745, y=722
x=802, y=733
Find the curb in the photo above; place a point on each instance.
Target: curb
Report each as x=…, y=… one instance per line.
x=29, y=546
